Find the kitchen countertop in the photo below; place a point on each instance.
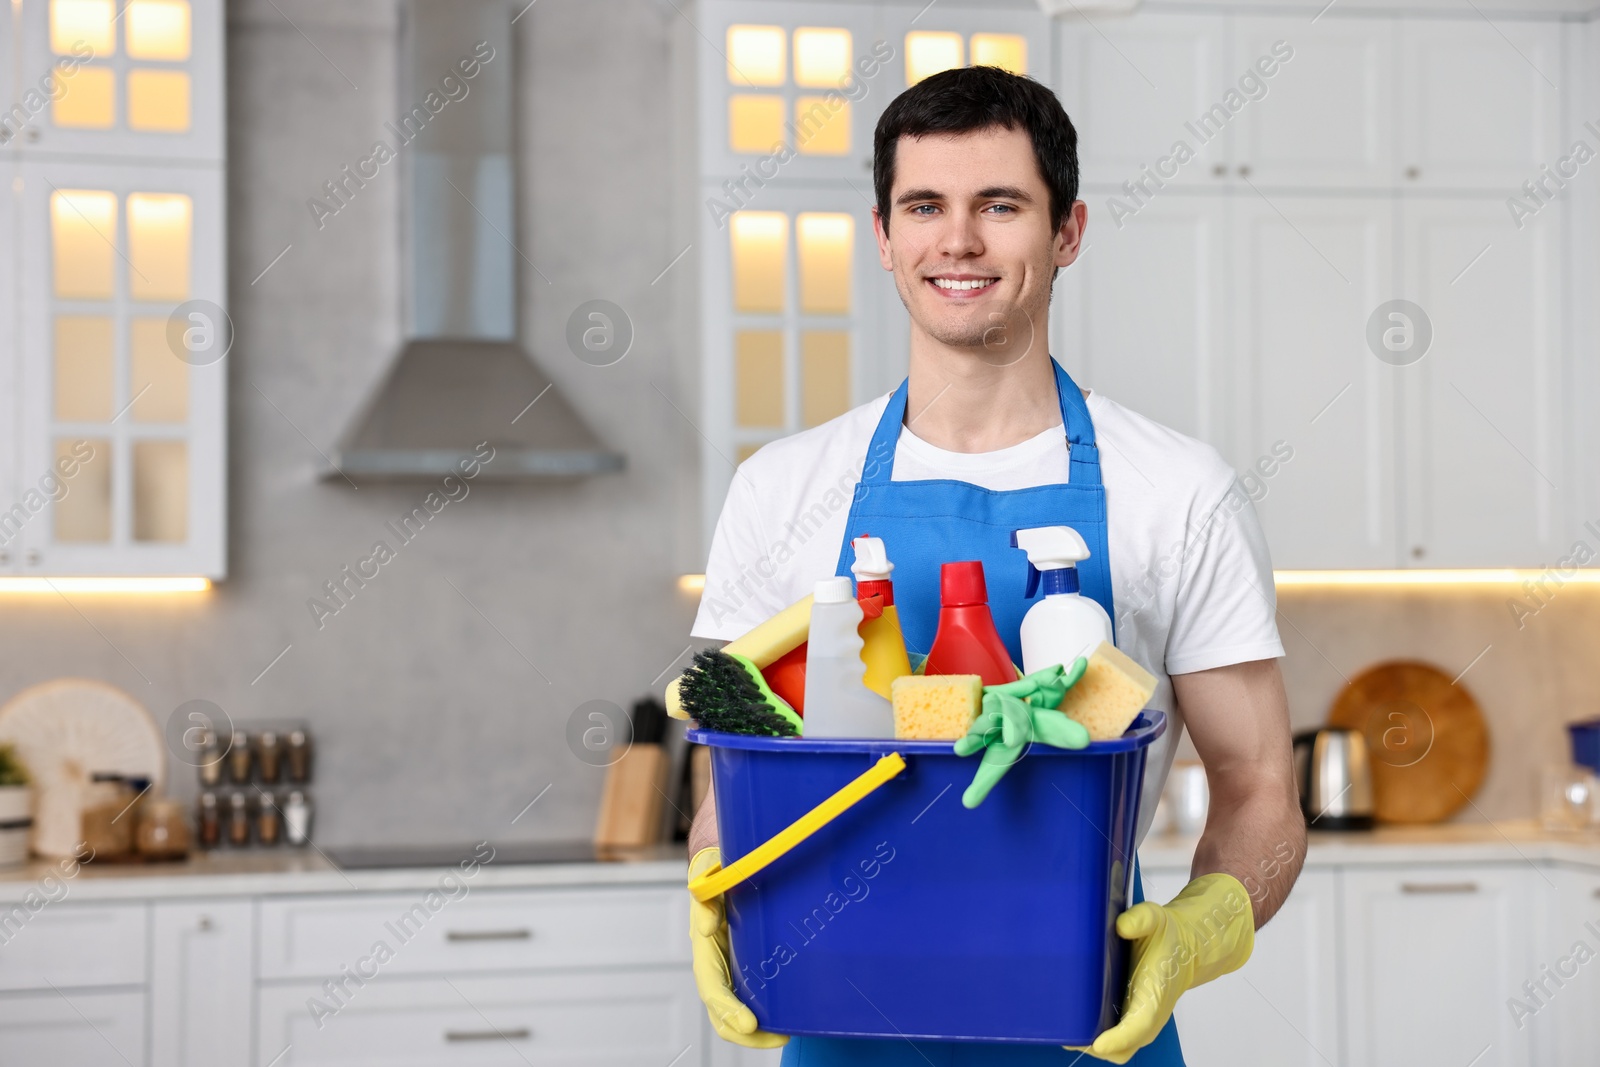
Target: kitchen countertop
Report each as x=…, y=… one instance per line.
x=1499, y=842
x=270, y=872
x=292, y=872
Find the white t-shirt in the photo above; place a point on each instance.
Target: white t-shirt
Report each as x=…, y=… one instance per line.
x=1190, y=572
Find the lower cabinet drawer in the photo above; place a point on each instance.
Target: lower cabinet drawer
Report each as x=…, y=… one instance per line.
x=72, y=1029
x=595, y=1018
x=71, y=944
x=427, y=932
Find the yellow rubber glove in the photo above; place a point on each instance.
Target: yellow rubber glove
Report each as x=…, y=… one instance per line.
x=708, y=941
x=1206, y=931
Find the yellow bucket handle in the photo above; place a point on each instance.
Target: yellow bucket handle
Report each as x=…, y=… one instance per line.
x=718, y=880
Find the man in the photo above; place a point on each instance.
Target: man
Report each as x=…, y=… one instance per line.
x=975, y=175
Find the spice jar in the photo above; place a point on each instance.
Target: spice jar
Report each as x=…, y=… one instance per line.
x=269, y=755
x=163, y=830
x=239, y=758
x=297, y=818
x=211, y=756
x=268, y=820
x=238, y=819
x=210, y=820
x=298, y=751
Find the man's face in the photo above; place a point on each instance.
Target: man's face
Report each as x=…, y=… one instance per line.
x=970, y=241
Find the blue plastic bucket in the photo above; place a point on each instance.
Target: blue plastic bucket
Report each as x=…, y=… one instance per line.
x=910, y=916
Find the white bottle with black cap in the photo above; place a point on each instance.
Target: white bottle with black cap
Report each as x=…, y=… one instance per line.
x=1065, y=624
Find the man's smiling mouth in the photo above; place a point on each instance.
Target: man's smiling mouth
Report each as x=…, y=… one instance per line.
x=961, y=283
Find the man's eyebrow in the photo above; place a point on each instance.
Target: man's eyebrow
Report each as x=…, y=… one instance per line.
x=993, y=192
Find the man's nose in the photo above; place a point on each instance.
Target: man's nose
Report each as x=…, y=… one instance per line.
x=959, y=236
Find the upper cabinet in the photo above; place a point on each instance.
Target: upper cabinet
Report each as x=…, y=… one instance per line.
x=1480, y=102
x=113, y=283
x=133, y=79
x=1325, y=118
x=1140, y=92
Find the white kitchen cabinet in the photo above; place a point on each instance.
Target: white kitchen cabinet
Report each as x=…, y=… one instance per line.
x=312, y=937
x=1558, y=1009
x=71, y=945
x=119, y=265
x=1133, y=87
x=1432, y=953
x=596, y=1017
x=142, y=80
x=73, y=1028
x=201, y=990
x=727, y=1054
x=1308, y=272
x=1172, y=255
x=1483, y=412
x=1480, y=102
x=1282, y=1007
x=1325, y=119
x=11, y=521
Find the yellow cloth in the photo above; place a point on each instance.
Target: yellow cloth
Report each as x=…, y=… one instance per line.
x=1205, y=931
x=708, y=941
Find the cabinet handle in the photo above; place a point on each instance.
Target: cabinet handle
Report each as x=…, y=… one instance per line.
x=1244, y=170
x=1417, y=552
x=522, y=1033
x=1413, y=173
x=1220, y=170
x=205, y=924
x=1438, y=887
x=1597, y=894
x=33, y=557
x=489, y=935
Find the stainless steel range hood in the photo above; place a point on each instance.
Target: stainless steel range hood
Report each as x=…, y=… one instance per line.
x=461, y=378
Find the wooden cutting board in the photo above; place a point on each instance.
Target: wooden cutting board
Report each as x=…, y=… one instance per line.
x=1428, y=742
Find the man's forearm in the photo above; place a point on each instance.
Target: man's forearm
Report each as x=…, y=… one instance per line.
x=1260, y=839
x=703, y=831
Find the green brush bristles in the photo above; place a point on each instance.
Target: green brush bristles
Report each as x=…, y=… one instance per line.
x=727, y=693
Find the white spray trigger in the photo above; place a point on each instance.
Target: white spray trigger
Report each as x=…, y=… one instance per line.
x=872, y=560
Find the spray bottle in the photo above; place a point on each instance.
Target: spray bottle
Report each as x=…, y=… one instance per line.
x=1065, y=624
x=883, y=647
x=837, y=703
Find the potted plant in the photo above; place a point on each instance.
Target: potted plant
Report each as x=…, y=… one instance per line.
x=16, y=808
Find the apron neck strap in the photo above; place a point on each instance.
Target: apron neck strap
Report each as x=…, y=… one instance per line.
x=1074, y=416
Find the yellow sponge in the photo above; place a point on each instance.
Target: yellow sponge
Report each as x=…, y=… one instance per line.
x=1110, y=694
x=935, y=707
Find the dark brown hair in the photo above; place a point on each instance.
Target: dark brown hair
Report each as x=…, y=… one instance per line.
x=964, y=99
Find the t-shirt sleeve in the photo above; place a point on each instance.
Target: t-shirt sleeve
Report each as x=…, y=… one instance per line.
x=1226, y=609
x=737, y=596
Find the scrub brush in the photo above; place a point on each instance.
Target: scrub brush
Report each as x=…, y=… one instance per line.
x=726, y=692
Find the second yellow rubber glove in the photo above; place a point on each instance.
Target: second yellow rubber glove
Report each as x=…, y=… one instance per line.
x=708, y=944
x=1203, y=933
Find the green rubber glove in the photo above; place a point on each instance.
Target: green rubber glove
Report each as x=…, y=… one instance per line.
x=1014, y=715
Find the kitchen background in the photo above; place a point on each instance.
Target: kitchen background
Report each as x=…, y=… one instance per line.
x=443, y=697
x=464, y=659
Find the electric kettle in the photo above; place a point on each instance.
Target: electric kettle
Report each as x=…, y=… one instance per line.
x=1335, y=779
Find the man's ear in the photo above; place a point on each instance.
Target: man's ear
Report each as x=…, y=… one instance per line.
x=1069, y=239
x=882, y=234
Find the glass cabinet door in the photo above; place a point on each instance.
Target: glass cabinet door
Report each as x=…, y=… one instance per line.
x=792, y=293
x=128, y=78
x=119, y=408
x=789, y=91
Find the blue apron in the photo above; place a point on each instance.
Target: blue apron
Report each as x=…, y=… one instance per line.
x=927, y=523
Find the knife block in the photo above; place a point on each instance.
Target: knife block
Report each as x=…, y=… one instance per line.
x=630, y=803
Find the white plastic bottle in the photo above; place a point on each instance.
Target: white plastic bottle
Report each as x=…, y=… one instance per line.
x=1065, y=624
x=838, y=702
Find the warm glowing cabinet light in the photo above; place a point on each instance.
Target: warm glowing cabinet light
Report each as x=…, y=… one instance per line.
x=118, y=247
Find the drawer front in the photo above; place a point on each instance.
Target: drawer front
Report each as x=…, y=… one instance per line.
x=72, y=1029
x=597, y=1019
x=72, y=945
x=483, y=930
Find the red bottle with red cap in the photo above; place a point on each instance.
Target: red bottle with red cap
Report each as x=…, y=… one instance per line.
x=966, y=641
